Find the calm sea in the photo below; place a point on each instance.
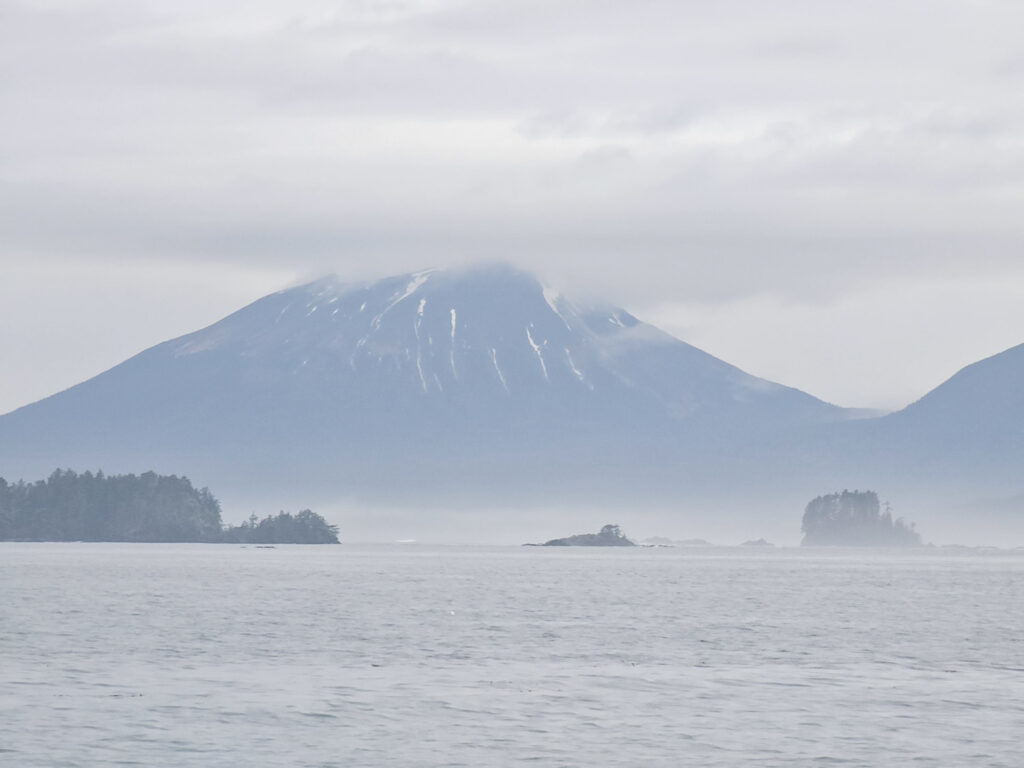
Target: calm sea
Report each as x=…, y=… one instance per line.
x=215, y=655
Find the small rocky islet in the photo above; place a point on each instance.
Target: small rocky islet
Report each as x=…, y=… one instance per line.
x=608, y=536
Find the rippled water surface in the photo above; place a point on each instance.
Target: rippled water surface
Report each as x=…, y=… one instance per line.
x=210, y=655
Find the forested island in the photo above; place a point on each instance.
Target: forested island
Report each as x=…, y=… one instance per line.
x=305, y=527
x=68, y=506
x=608, y=536
x=855, y=519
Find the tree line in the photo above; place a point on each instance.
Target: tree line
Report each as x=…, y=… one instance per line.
x=68, y=506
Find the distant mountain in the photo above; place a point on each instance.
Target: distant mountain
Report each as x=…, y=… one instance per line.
x=476, y=388
x=442, y=386
x=980, y=409
x=966, y=436
x=951, y=461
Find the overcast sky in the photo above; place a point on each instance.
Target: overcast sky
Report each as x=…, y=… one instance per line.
x=826, y=194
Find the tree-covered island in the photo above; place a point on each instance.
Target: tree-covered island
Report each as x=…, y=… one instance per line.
x=305, y=527
x=608, y=536
x=855, y=519
x=68, y=506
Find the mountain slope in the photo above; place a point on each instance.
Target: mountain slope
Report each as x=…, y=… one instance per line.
x=969, y=431
x=951, y=461
x=983, y=400
x=439, y=384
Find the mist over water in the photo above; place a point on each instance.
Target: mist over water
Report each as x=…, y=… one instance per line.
x=216, y=655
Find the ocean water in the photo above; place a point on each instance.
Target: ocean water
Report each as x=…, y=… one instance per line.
x=216, y=655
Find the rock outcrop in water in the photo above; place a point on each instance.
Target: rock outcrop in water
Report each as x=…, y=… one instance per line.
x=854, y=519
x=608, y=536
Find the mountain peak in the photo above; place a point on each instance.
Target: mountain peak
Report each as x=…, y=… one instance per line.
x=496, y=273
x=364, y=378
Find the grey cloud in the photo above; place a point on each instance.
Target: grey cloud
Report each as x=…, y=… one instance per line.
x=665, y=151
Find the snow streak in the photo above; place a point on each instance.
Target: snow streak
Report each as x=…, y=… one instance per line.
x=552, y=299
x=536, y=348
x=419, y=346
x=494, y=359
x=452, y=353
x=398, y=298
x=577, y=371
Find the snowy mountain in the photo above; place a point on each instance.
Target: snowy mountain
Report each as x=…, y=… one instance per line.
x=461, y=385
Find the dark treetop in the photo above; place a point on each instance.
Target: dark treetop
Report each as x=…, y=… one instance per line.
x=854, y=519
